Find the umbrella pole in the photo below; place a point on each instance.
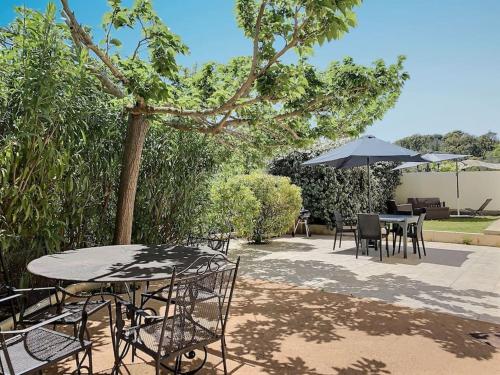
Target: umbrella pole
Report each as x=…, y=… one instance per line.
x=458, y=189
x=369, y=187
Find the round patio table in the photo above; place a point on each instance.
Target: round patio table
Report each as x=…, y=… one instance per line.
x=117, y=263
x=129, y=264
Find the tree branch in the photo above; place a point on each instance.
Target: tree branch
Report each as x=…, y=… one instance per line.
x=83, y=37
x=107, y=84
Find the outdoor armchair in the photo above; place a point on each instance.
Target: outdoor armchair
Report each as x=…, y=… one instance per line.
x=416, y=234
x=196, y=303
x=340, y=225
x=369, y=229
x=32, y=349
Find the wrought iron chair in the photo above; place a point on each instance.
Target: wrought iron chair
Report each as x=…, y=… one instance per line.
x=340, y=225
x=213, y=240
x=54, y=304
x=416, y=233
x=369, y=229
x=30, y=350
x=196, y=313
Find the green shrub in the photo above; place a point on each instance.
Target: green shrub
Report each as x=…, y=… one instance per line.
x=259, y=206
x=61, y=149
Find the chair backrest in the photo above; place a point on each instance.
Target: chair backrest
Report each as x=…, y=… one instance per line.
x=369, y=226
x=392, y=207
x=339, y=220
x=485, y=203
x=420, y=222
x=201, y=297
x=404, y=209
x=219, y=242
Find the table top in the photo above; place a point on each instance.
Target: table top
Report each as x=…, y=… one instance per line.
x=117, y=263
x=391, y=218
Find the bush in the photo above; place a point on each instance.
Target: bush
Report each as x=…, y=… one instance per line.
x=60, y=153
x=326, y=189
x=258, y=206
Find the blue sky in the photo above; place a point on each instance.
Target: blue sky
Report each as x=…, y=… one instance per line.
x=452, y=49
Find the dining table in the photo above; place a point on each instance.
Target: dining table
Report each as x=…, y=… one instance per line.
x=126, y=264
x=403, y=221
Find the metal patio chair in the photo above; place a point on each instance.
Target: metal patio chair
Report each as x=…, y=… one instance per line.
x=49, y=302
x=369, y=229
x=213, y=240
x=196, y=311
x=340, y=225
x=30, y=350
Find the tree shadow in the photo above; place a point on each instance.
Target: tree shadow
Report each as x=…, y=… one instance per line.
x=363, y=366
x=443, y=257
x=281, y=311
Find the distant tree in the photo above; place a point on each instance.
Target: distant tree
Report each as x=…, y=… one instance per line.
x=455, y=142
x=255, y=99
x=421, y=143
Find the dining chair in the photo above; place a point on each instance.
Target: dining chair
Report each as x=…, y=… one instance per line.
x=33, y=349
x=416, y=233
x=369, y=229
x=48, y=302
x=212, y=240
x=342, y=226
x=196, y=312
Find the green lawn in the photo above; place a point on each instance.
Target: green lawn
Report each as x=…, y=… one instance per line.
x=467, y=225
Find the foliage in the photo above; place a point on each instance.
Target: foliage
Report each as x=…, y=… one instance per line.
x=234, y=206
x=174, y=185
x=258, y=206
x=58, y=162
x=455, y=142
x=60, y=153
x=255, y=100
x=326, y=189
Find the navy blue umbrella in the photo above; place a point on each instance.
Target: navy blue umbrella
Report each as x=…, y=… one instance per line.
x=363, y=151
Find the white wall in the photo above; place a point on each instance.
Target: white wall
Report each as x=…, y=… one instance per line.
x=475, y=187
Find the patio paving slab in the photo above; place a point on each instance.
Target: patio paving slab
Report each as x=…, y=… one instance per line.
x=458, y=279
x=280, y=328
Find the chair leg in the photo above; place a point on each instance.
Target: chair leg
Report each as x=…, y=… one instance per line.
x=387, y=243
x=355, y=238
x=399, y=246
x=357, y=247
x=89, y=353
x=423, y=244
x=223, y=351
x=340, y=242
x=380, y=249
x=418, y=249
x=335, y=239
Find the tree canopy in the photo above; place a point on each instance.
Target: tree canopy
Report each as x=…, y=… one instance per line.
x=255, y=98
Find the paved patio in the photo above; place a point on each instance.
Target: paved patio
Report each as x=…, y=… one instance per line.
x=279, y=328
x=462, y=280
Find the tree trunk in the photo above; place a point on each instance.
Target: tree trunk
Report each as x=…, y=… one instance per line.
x=136, y=134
